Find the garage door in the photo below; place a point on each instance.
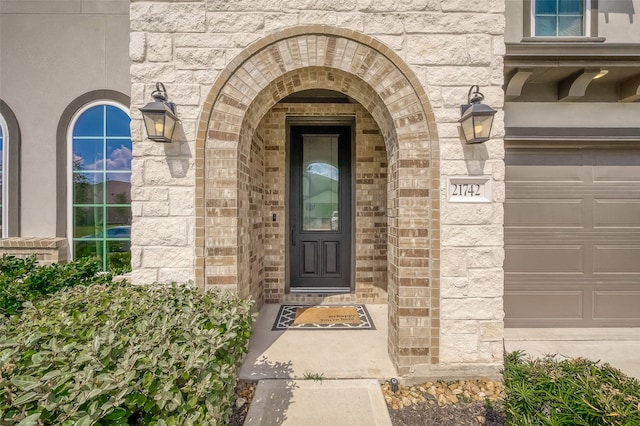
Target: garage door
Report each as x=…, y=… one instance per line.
x=572, y=238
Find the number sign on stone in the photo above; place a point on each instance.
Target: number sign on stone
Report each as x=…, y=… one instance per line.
x=469, y=189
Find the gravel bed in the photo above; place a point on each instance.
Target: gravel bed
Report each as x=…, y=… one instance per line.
x=461, y=403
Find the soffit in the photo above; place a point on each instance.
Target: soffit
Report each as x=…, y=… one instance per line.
x=546, y=71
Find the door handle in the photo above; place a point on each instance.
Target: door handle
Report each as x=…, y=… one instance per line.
x=293, y=240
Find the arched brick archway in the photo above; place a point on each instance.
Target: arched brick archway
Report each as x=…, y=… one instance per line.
x=359, y=66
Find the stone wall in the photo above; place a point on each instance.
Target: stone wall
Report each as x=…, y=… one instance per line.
x=444, y=269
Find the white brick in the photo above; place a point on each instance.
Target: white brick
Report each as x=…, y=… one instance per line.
x=222, y=22
x=279, y=21
x=137, y=46
x=149, y=194
x=159, y=47
x=472, y=309
x=492, y=331
x=181, y=202
x=144, y=276
x=467, y=213
x=166, y=231
x=196, y=58
x=471, y=235
x=159, y=257
x=218, y=41
x=167, y=17
x=465, y=5
x=384, y=24
x=146, y=72
x=333, y=5
x=244, y=5
x=175, y=275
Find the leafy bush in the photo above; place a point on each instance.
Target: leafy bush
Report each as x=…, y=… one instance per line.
x=121, y=354
x=22, y=280
x=568, y=392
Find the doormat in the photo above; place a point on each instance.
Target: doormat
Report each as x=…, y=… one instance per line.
x=323, y=317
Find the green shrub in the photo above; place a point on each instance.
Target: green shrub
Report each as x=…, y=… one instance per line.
x=22, y=280
x=570, y=392
x=121, y=354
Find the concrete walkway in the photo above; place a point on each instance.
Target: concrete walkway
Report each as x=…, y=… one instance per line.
x=349, y=365
x=619, y=347
x=318, y=403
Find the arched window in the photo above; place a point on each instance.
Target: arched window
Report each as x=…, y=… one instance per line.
x=4, y=212
x=99, y=179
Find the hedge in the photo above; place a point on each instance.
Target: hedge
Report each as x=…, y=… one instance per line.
x=23, y=280
x=120, y=354
x=574, y=392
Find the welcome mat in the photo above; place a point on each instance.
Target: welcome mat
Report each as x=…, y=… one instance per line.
x=323, y=317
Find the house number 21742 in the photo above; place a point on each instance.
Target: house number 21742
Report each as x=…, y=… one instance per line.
x=466, y=190
x=469, y=189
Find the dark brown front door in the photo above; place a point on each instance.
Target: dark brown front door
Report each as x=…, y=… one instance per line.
x=320, y=208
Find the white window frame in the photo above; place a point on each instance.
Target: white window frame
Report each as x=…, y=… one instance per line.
x=586, y=21
x=5, y=175
x=72, y=125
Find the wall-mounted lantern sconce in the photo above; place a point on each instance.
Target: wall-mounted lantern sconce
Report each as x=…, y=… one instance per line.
x=159, y=116
x=477, y=119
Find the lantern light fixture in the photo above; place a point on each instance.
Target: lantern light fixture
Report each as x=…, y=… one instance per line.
x=159, y=116
x=476, y=119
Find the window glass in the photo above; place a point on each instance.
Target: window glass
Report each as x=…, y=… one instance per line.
x=564, y=18
x=2, y=203
x=101, y=186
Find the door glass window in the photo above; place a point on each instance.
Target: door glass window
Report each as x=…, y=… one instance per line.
x=320, y=179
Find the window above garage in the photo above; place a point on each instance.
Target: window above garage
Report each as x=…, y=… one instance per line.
x=561, y=20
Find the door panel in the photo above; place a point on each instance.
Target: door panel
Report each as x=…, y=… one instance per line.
x=320, y=207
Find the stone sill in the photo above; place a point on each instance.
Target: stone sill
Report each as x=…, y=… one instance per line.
x=33, y=242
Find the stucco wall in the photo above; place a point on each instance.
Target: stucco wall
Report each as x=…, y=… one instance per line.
x=449, y=45
x=52, y=52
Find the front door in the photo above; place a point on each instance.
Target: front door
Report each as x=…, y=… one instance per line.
x=320, y=208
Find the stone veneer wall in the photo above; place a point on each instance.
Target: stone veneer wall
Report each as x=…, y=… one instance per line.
x=444, y=260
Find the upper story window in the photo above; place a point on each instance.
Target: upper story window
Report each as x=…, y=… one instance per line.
x=100, y=184
x=563, y=18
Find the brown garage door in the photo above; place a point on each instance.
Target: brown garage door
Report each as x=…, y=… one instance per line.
x=572, y=238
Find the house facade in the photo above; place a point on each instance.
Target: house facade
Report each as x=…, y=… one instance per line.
x=320, y=159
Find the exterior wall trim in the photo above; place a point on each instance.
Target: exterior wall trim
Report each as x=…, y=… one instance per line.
x=62, y=143
x=13, y=196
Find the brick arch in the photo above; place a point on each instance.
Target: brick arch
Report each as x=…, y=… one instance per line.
x=318, y=56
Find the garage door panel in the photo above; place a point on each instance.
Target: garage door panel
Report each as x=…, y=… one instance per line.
x=533, y=166
x=616, y=166
x=550, y=259
x=545, y=212
x=610, y=305
x=533, y=304
x=616, y=213
x=623, y=259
